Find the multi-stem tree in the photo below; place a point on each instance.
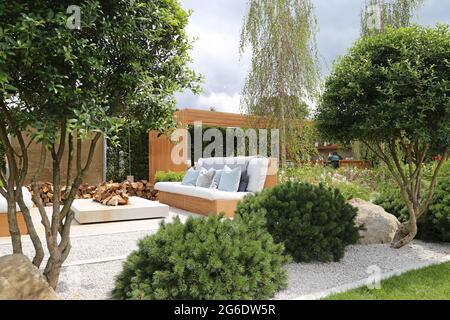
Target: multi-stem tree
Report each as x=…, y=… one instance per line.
x=282, y=38
x=376, y=17
x=63, y=83
x=392, y=92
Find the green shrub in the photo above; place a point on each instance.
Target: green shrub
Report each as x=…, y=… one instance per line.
x=169, y=176
x=352, y=191
x=208, y=258
x=435, y=224
x=351, y=182
x=391, y=200
x=313, y=222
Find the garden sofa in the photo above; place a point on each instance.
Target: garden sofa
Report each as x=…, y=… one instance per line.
x=205, y=201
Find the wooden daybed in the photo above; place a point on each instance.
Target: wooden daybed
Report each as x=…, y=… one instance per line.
x=201, y=205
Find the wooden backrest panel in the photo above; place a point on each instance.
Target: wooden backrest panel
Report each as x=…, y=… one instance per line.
x=94, y=175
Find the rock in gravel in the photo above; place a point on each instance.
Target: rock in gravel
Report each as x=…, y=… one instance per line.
x=380, y=225
x=21, y=280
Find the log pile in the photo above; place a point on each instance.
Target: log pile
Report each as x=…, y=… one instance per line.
x=45, y=193
x=111, y=194
x=86, y=191
x=101, y=192
x=141, y=189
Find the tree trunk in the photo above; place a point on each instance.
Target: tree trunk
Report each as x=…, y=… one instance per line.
x=406, y=232
x=39, y=256
x=62, y=218
x=52, y=272
x=13, y=227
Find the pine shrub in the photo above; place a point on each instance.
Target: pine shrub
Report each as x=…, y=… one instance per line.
x=313, y=222
x=210, y=258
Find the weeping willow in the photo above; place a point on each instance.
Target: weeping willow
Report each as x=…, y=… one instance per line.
x=379, y=14
x=284, y=68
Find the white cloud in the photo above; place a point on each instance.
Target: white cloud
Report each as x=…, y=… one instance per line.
x=216, y=27
x=221, y=102
x=216, y=57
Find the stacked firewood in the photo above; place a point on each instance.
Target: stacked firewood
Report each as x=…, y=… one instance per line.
x=86, y=191
x=45, y=193
x=140, y=188
x=111, y=194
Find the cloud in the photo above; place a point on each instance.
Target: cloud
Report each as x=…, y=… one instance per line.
x=216, y=56
x=217, y=25
x=221, y=102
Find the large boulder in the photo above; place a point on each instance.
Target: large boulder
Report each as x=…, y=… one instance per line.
x=380, y=225
x=21, y=280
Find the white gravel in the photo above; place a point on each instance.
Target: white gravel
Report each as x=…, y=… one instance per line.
x=94, y=262
x=316, y=280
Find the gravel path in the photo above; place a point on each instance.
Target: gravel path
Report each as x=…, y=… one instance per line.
x=95, y=247
x=94, y=262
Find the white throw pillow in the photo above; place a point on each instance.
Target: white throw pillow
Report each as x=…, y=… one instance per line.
x=257, y=172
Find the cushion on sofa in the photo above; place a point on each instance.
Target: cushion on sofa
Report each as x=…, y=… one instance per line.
x=205, y=178
x=217, y=176
x=243, y=184
x=257, y=172
x=204, y=193
x=229, y=181
x=190, y=178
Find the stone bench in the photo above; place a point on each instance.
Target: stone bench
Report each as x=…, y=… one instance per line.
x=89, y=211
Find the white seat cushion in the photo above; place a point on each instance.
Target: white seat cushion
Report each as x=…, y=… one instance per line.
x=204, y=193
x=26, y=198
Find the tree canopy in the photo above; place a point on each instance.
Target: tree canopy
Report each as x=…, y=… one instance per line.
x=126, y=60
x=391, y=86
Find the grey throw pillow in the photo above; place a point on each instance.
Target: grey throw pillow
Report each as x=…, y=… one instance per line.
x=205, y=178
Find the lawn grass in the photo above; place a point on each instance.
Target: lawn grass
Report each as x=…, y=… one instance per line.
x=431, y=283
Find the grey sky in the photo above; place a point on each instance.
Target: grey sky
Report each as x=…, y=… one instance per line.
x=216, y=25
